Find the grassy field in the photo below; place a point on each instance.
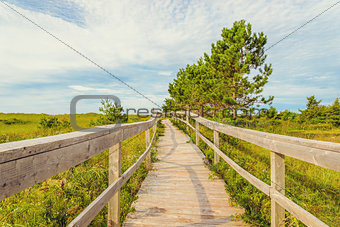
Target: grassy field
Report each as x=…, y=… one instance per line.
x=19, y=126
x=58, y=200
x=314, y=188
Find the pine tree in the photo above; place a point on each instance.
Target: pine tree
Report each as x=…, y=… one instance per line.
x=222, y=79
x=232, y=59
x=334, y=113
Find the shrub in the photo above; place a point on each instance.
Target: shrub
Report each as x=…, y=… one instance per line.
x=13, y=121
x=53, y=123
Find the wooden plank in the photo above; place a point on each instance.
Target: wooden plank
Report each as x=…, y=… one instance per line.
x=147, y=142
x=90, y=212
x=277, y=170
x=113, y=217
x=197, y=129
x=289, y=139
x=19, y=149
x=187, y=119
x=301, y=214
x=217, y=144
x=154, y=128
x=20, y=174
x=24, y=165
x=324, y=154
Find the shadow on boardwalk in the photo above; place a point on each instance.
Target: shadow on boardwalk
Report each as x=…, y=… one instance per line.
x=178, y=192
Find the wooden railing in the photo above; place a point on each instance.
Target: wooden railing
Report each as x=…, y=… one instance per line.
x=324, y=154
x=28, y=162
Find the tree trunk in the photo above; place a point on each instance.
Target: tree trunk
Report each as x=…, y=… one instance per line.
x=235, y=112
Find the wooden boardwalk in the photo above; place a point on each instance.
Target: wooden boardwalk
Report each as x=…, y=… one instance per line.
x=178, y=191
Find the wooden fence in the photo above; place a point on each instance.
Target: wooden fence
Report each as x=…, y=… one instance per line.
x=28, y=162
x=324, y=154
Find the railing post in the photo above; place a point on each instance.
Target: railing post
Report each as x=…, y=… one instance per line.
x=277, y=168
x=197, y=130
x=187, y=120
x=113, y=218
x=154, y=127
x=147, y=142
x=217, y=144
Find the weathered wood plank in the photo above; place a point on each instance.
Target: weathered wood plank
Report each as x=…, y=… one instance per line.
x=197, y=127
x=277, y=171
x=28, y=162
x=147, y=142
x=19, y=149
x=113, y=217
x=324, y=154
x=187, y=119
x=217, y=144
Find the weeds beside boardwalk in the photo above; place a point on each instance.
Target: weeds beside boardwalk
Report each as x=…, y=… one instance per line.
x=58, y=200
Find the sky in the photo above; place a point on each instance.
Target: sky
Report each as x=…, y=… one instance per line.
x=144, y=43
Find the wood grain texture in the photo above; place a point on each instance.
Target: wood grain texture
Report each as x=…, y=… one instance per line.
x=147, y=142
x=197, y=127
x=28, y=162
x=187, y=119
x=277, y=172
x=324, y=154
x=217, y=144
x=113, y=214
x=178, y=191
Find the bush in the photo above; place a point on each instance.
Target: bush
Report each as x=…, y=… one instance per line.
x=13, y=121
x=53, y=123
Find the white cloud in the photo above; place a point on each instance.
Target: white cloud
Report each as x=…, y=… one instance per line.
x=83, y=88
x=165, y=73
x=164, y=35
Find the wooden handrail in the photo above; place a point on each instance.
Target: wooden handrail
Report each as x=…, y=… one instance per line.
x=28, y=162
x=323, y=153
x=25, y=163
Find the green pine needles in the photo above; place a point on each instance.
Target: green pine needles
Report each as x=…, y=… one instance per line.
x=232, y=76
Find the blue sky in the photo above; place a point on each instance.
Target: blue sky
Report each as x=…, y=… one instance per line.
x=63, y=9
x=145, y=43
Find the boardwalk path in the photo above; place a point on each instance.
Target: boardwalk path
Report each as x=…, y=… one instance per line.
x=178, y=191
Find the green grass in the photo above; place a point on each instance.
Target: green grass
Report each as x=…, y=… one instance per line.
x=28, y=128
x=58, y=200
x=314, y=188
